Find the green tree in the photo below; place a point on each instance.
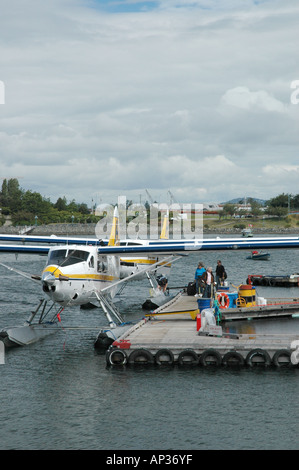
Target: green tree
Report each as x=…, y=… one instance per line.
x=22, y=217
x=228, y=209
x=277, y=211
x=11, y=196
x=72, y=206
x=83, y=209
x=14, y=195
x=295, y=202
x=61, y=204
x=281, y=200
x=4, y=194
x=255, y=207
x=32, y=202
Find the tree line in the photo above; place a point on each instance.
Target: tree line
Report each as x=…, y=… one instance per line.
x=26, y=207
x=279, y=206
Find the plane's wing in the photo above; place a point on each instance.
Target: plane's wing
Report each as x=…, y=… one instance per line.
x=151, y=247
x=30, y=249
x=177, y=246
x=53, y=239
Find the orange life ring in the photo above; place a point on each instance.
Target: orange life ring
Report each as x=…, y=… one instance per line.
x=223, y=300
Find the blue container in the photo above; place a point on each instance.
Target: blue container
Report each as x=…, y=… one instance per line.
x=232, y=299
x=203, y=302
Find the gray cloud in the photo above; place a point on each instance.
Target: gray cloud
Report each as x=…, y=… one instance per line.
x=192, y=99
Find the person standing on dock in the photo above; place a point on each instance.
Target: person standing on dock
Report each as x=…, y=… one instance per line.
x=198, y=278
x=220, y=274
x=208, y=281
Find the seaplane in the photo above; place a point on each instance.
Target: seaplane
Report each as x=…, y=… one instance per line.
x=77, y=274
x=80, y=272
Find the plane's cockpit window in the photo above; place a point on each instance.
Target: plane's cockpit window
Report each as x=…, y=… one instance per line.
x=64, y=258
x=57, y=257
x=76, y=256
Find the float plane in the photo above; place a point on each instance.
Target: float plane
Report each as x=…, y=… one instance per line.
x=77, y=274
x=80, y=271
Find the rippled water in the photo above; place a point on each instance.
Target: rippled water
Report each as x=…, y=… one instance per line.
x=59, y=394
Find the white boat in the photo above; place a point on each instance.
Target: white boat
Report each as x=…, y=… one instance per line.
x=247, y=232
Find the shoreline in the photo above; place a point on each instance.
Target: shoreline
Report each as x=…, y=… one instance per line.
x=89, y=230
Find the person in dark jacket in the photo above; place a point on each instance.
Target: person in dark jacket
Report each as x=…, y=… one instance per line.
x=198, y=275
x=208, y=282
x=220, y=274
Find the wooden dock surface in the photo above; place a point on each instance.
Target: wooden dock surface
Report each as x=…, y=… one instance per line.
x=151, y=336
x=174, y=333
x=180, y=306
x=181, y=334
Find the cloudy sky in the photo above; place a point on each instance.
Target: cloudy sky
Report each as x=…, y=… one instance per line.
x=111, y=97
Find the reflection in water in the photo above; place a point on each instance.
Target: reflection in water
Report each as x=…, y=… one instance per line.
x=275, y=326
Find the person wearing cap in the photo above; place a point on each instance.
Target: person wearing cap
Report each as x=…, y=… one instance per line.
x=198, y=277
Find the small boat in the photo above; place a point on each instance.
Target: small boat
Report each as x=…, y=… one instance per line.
x=247, y=232
x=263, y=255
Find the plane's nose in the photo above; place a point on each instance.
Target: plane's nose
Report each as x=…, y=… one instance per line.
x=48, y=278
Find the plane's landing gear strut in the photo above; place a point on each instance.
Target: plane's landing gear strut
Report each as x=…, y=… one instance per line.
x=109, y=309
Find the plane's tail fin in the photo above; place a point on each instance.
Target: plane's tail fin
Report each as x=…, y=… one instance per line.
x=165, y=228
x=114, y=235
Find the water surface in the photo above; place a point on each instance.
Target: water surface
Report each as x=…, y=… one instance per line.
x=59, y=394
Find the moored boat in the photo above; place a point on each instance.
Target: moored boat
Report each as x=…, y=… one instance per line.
x=260, y=255
x=247, y=232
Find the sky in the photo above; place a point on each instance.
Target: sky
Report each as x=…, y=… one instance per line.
x=109, y=98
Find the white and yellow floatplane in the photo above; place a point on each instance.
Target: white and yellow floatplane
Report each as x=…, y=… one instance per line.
x=81, y=271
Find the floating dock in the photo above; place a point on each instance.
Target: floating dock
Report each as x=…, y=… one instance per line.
x=171, y=336
x=185, y=305
x=273, y=281
x=272, y=309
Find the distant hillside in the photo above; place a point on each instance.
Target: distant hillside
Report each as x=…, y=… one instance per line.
x=242, y=199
